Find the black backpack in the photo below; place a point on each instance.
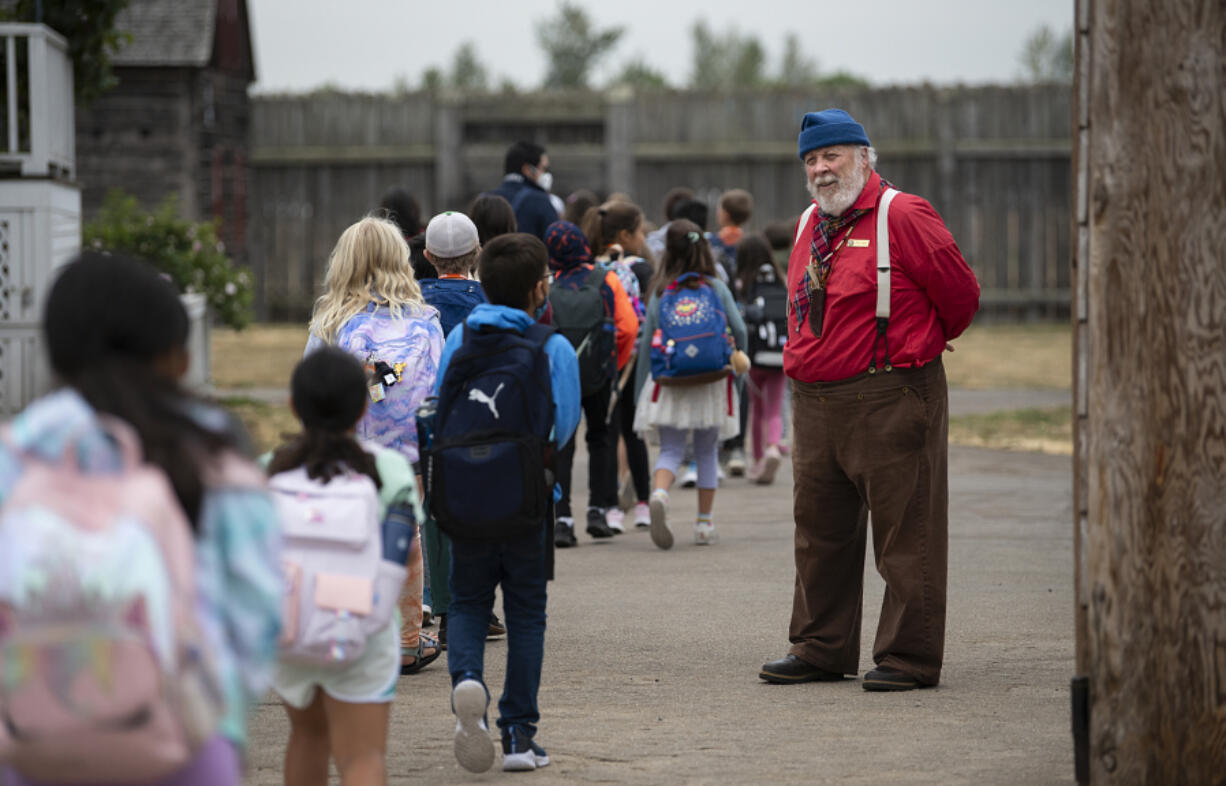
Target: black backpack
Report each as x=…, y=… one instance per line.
x=766, y=319
x=579, y=315
x=489, y=470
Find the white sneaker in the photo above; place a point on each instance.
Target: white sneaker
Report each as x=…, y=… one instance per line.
x=736, y=463
x=704, y=533
x=661, y=535
x=474, y=749
x=770, y=465
x=615, y=519
x=642, y=515
x=689, y=478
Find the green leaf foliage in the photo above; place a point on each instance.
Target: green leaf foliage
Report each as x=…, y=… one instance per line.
x=573, y=46
x=89, y=27
x=189, y=252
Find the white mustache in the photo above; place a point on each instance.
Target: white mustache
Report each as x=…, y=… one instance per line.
x=825, y=180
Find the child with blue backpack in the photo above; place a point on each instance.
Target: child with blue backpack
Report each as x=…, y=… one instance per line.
x=694, y=336
x=508, y=396
x=452, y=245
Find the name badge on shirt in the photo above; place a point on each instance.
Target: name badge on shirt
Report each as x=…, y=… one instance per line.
x=857, y=243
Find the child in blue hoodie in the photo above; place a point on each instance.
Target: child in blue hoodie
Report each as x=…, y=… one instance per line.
x=514, y=273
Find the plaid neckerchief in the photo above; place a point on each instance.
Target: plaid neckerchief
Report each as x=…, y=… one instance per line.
x=825, y=230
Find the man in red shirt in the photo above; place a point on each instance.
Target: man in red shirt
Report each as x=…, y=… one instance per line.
x=871, y=414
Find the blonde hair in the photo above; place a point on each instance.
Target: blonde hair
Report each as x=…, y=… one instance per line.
x=369, y=264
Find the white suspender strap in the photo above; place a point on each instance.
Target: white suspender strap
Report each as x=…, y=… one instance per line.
x=804, y=219
x=883, y=281
x=883, y=253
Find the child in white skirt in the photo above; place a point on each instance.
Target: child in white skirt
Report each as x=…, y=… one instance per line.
x=707, y=410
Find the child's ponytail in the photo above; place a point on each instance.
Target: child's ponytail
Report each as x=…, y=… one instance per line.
x=685, y=251
x=603, y=223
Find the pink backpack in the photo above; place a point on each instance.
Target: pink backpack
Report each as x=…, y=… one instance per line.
x=104, y=675
x=339, y=589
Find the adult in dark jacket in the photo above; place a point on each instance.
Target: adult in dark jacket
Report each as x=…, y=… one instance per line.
x=525, y=185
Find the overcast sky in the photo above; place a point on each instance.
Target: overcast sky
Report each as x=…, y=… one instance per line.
x=367, y=44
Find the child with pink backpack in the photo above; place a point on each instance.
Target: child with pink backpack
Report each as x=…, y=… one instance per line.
x=349, y=512
x=140, y=577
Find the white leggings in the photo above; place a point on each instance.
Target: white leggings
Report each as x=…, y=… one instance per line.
x=706, y=452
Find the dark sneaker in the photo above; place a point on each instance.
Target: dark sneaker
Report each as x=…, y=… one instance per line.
x=885, y=679
x=790, y=669
x=564, y=534
x=474, y=749
x=597, y=527
x=520, y=753
x=496, y=628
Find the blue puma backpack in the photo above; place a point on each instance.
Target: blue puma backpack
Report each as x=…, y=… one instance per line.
x=489, y=473
x=692, y=337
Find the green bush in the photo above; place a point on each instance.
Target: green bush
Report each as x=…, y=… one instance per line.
x=189, y=252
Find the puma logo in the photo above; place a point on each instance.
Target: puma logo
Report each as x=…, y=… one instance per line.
x=478, y=395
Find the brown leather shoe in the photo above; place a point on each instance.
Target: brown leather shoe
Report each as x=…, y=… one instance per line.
x=886, y=679
x=790, y=669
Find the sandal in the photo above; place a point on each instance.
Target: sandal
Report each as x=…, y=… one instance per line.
x=425, y=653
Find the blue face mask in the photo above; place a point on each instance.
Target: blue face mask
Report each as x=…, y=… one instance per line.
x=540, y=310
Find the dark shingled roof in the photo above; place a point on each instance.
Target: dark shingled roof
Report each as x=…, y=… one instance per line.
x=167, y=32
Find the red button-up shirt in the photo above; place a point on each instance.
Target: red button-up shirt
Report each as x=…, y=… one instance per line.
x=933, y=293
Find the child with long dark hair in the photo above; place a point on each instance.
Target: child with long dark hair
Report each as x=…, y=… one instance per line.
x=707, y=410
x=615, y=232
x=341, y=712
x=762, y=291
x=116, y=335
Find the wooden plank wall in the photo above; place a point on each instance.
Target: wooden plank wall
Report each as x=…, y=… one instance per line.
x=994, y=161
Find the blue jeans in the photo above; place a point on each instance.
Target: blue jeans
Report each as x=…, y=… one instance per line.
x=476, y=569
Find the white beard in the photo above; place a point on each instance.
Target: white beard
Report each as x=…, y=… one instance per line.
x=834, y=203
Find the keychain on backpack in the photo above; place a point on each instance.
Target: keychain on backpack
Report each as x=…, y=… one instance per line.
x=384, y=376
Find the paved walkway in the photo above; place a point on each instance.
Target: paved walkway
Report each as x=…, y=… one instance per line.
x=652, y=657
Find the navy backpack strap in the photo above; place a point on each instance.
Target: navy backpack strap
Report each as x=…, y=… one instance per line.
x=538, y=333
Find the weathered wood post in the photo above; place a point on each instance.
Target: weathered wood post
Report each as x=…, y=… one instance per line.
x=1150, y=387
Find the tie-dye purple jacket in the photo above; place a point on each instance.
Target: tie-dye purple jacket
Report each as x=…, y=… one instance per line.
x=411, y=344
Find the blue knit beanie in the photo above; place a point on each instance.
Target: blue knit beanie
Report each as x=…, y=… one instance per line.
x=567, y=245
x=829, y=127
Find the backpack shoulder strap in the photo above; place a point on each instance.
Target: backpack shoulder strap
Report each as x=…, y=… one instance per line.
x=539, y=334
x=883, y=253
x=804, y=219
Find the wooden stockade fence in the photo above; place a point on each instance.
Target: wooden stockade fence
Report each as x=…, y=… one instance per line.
x=994, y=161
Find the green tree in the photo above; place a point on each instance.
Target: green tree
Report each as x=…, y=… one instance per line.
x=730, y=60
x=1047, y=57
x=468, y=73
x=89, y=27
x=573, y=46
x=641, y=76
x=796, y=70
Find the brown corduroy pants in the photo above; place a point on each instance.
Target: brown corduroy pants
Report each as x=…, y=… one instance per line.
x=874, y=443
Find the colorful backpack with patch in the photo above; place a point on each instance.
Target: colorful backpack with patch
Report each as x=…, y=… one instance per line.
x=692, y=337
x=104, y=673
x=343, y=572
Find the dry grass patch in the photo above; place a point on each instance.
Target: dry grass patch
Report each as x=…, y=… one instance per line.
x=260, y=356
x=265, y=423
x=1034, y=430
x=1012, y=356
